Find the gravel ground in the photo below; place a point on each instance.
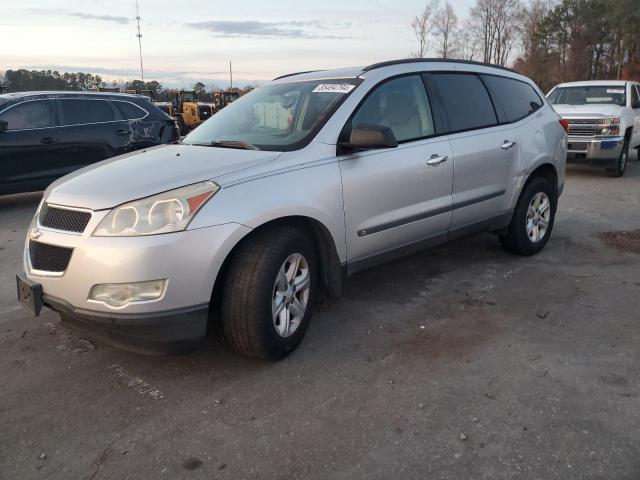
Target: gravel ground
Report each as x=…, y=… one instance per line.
x=463, y=362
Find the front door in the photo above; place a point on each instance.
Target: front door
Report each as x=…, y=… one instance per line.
x=30, y=155
x=635, y=104
x=396, y=197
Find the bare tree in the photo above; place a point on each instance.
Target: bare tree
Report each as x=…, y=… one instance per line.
x=422, y=26
x=466, y=43
x=496, y=22
x=445, y=22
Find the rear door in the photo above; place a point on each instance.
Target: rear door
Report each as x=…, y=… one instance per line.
x=396, y=197
x=91, y=130
x=30, y=154
x=484, y=152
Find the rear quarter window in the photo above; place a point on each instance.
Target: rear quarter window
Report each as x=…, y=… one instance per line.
x=81, y=112
x=129, y=111
x=516, y=99
x=465, y=101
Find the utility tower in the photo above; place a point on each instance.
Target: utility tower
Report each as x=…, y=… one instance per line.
x=139, y=35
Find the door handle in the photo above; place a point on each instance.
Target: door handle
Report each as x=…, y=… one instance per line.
x=48, y=140
x=122, y=132
x=507, y=145
x=436, y=160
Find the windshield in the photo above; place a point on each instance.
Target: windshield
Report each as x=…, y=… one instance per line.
x=278, y=117
x=592, y=94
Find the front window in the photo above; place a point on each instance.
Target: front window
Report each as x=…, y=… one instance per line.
x=278, y=117
x=588, y=95
x=32, y=114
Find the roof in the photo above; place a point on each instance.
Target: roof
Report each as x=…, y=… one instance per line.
x=62, y=93
x=355, y=72
x=606, y=83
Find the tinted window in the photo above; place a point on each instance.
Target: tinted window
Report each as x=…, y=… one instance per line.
x=466, y=101
x=78, y=112
x=129, y=111
x=400, y=104
x=518, y=99
x=37, y=114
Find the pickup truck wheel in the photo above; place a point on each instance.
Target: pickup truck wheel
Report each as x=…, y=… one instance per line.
x=269, y=293
x=621, y=164
x=532, y=220
x=182, y=126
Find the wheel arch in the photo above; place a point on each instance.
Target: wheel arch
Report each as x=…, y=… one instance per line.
x=331, y=274
x=545, y=170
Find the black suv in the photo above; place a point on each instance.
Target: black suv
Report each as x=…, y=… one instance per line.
x=45, y=135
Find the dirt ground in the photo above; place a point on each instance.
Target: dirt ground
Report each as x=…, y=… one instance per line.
x=463, y=362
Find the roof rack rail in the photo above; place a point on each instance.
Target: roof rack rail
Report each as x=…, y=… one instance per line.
x=294, y=74
x=432, y=60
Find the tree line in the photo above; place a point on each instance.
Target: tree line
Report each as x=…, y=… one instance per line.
x=35, y=80
x=551, y=41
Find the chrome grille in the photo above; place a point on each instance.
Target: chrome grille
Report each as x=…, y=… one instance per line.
x=582, y=131
x=583, y=127
x=64, y=219
x=49, y=258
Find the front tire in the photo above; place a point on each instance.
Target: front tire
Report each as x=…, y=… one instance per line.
x=532, y=220
x=269, y=293
x=621, y=163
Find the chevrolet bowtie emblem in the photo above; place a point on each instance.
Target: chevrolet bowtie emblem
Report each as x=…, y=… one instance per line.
x=35, y=234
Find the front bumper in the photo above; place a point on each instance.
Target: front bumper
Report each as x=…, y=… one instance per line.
x=597, y=151
x=189, y=261
x=163, y=333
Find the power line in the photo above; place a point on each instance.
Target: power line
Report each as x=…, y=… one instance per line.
x=139, y=35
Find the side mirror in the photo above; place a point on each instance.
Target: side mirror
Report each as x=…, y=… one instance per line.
x=4, y=126
x=370, y=137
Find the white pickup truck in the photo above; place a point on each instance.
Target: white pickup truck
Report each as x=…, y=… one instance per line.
x=604, y=121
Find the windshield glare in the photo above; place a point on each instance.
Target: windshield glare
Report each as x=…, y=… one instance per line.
x=277, y=117
x=593, y=94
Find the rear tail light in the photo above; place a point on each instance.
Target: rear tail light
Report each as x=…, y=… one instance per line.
x=565, y=124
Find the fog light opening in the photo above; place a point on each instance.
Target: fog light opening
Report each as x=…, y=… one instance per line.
x=118, y=295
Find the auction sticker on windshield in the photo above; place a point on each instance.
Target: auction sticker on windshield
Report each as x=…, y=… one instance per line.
x=615, y=90
x=334, y=88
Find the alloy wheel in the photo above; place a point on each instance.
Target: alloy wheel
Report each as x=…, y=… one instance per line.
x=291, y=295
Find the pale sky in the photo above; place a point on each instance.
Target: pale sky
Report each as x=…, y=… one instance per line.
x=185, y=41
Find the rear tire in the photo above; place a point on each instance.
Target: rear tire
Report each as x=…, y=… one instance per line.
x=257, y=284
x=533, y=218
x=621, y=164
x=182, y=126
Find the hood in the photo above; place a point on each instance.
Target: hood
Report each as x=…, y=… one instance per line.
x=595, y=111
x=148, y=172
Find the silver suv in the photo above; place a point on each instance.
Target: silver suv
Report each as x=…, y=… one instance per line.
x=276, y=198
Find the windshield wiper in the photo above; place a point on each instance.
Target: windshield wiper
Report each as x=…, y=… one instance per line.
x=229, y=144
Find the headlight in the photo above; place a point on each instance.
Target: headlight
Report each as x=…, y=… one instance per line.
x=610, y=121
x=609, y=126
x=163, y=213
x=610, y=131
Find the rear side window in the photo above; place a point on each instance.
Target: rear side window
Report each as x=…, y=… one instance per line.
x=400, y=104
x=27, y=115
x=129, y=111
x=465, y=100
x=80, y=112
x=517, y=99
